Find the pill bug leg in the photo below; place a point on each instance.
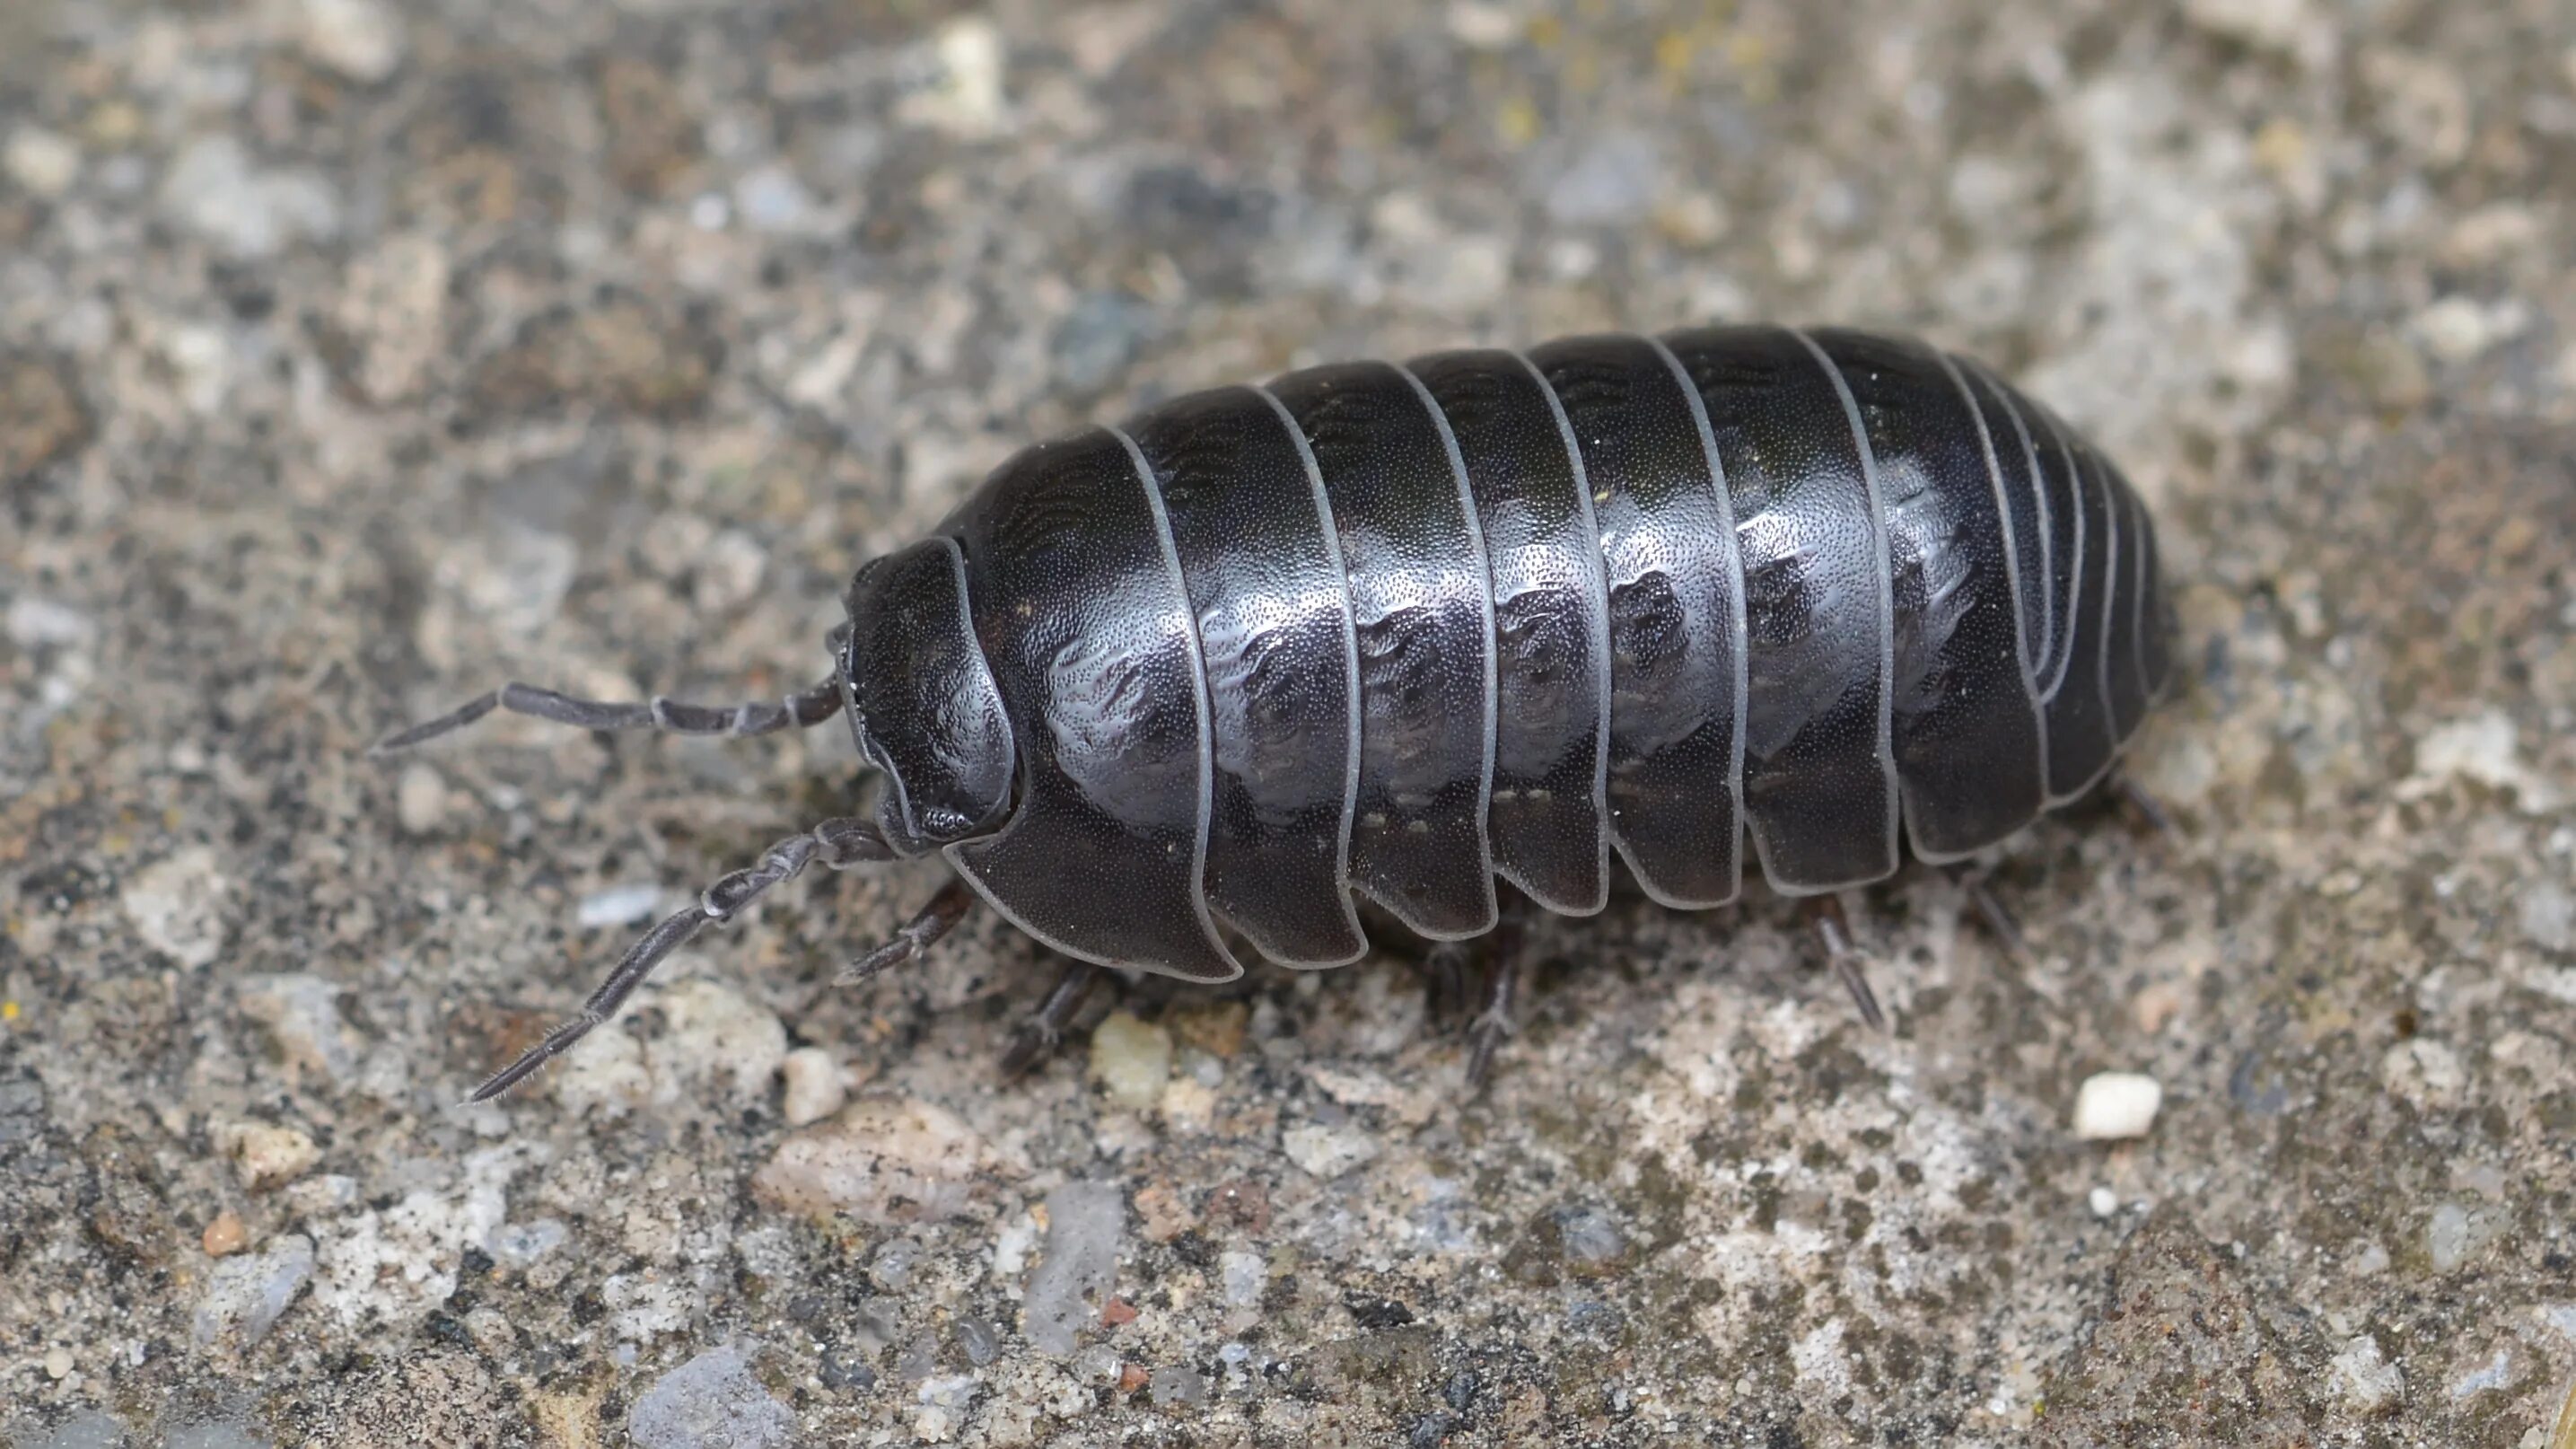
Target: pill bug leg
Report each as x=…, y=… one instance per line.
x=804, y=709
x=1496, y=1023
x=1833, y=928
x=1991, y=910
x=2142, y=803
x=1444, y=989
x=838, y=844
x=935, y=919
x=1043, y=1032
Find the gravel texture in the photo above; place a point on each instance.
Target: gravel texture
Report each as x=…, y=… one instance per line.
x=355, y=355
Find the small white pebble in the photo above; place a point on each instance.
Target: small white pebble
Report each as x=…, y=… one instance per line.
x=604, y=1071
x=2116, y=1106
x=1327, y=1152
x=516, y=1245
x=2364, y=1378
x=880, y=1160
x=2457, y=329
x=2495, y=1373
x=361, y=39
x=2425, y=1073
x=729, y=571
x=1243, y=1275
x=714, y=1033
x=58, y=1363
x=177, y=905
x=623, y=905
x=1131, y=1060
x=420, y=798
x=1188, y=1104
x=265, y=1154
x=2485, y=749
x=37, y=621
x=2103, y=1201
x=2454, y=1235
x=772, y=199
x=967, y=96
x=1483, y=26
x=2276, y=24
x=44, y=163
x=302, y=1014
x=814, y=1089
x=2547, y=913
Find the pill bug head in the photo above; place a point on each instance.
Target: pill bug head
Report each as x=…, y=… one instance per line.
x=921, y=701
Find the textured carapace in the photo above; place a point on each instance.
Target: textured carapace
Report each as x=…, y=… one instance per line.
x=1394, y=630
x=1398, y=629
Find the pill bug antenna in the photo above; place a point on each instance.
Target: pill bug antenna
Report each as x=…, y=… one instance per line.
x=838, y=844
x=804, y=709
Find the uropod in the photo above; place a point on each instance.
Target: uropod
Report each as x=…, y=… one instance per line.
x=1179, y=691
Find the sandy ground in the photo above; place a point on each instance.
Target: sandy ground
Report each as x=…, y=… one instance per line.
x=355, y=356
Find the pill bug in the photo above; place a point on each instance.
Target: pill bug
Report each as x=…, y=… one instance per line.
x=1179, y=691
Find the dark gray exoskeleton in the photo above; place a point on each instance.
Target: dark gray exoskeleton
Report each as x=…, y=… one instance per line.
x=1394, y=630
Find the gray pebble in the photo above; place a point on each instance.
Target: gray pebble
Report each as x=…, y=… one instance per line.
x=1613, y=179
x=892, y=1264
x=1100, y=336
x=516, y=577
x=772, y=199
x=2548, y=915
x=222, y=1432
x=302, y=1014
x=711, y=1402
x=92, y=1429
x=2455, y=1235
x=516, y=1245
x=245, y=1296
x=1590, y=1235
x=1098, y=1364
x=844, y=1368
x=22, y=1111
x=980, y=1341
x=876, y=1322
x=214, y=192
x=1085, y=1221
x=1177, y=1384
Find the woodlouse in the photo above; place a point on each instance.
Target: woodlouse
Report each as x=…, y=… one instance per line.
x=1397, y=630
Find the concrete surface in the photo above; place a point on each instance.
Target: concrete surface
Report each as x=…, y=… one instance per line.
x=355, y=355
